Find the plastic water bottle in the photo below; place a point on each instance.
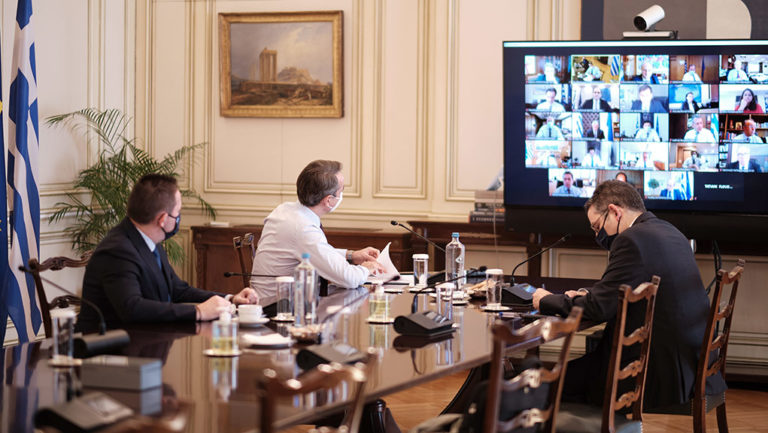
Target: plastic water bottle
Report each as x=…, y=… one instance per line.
x=454, y=261
x=305, y=294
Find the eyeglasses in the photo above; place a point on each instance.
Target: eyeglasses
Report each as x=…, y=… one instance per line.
x=597, y=229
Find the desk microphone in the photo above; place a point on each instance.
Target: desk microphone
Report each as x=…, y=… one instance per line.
x=93, y=344
x=518, y=294
x=471, y=271
x=247, y=274
x=558, y=242
x=395, y=223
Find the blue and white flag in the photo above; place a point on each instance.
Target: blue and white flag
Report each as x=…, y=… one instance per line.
x=616, y=66
x=5, y=273
x=24, y=197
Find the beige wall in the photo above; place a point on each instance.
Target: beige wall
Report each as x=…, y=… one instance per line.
x=422, y=125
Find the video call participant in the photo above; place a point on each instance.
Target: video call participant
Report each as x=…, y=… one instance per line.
x=591, y=159
x=673, y=191
x=645, y=101
x=549, y=75
x=748, y=103
x=689, y=104
x=129, y=277
x=646, y=76
x=594, y=131
x=743, y=161
x=647, y=133
x=698, y=134
x=549, y=103
x=749, y=136
x=641, y=246
x=693, y=162
x=597, y=103
x=645, y=163
x=293, y=228
x=737, y=74
x=591, y=72
x=550, y=130
x=567, y=189
x=621, y=176
x=691, y=75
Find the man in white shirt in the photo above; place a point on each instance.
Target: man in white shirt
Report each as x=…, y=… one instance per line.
x=691, y=75
x=549, y=103
x=737, y=74
x=293, y=228
x=591, y=159
x=698, y=134
x=749, y=136
x=550, y=130
x=647, y=133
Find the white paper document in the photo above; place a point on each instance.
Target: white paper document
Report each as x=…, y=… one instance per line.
x=390, y=272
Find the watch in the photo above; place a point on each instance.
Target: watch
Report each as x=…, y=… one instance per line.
x=349, y=256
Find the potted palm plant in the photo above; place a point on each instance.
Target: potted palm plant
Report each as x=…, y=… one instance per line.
x=108, y=182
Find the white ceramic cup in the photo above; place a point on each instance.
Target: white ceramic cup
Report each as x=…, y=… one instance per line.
x=249, y=312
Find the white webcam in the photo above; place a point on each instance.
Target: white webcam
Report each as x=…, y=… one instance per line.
x=647, y=19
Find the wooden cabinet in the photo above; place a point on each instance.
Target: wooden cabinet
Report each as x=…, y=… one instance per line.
x=216, y=255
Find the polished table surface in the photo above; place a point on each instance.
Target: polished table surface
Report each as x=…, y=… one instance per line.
x=222, y=393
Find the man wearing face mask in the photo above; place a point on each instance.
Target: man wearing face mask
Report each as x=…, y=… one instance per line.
x=128, y=276
x=641, y=245
x=294, y=228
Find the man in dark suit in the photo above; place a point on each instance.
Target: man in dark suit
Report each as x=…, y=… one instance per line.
x=641, y=246
x=647, y=75
x=128, y=276
x=597, y=103
x=595, y=131
x=646, y=103
x=743, y=161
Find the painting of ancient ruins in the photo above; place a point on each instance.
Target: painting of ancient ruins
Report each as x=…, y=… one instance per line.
x=285, y=64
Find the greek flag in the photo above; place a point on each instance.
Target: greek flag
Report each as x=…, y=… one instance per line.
x=578, y=125
x=616, y=66
x=4, y=271
x=714, y=126
x=24, y=200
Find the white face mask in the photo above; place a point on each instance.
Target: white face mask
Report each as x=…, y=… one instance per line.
x=338, y=202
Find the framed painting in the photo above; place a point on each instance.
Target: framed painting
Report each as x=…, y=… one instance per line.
x=283, y=64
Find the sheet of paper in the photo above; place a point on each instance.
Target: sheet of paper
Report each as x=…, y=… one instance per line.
x=390, y=272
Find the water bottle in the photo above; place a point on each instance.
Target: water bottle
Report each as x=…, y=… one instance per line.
x=305, y=294
x=454, y=261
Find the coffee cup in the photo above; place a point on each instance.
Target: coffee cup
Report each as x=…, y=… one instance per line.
x=250, y=312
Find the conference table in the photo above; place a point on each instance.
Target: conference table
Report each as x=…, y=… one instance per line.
x=221, y=394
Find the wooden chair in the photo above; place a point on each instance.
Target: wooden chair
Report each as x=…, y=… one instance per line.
x=323, y=377
x=714, y=350
x=587, y=418
x=54, y=264
x=245, y=249
x=548, y=329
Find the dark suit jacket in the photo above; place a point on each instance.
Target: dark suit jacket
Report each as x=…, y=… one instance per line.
x=650, y=247
x=654, y=79
x=600, y=134
x=123, y=280
x=656, y=106
x=587, y=105
x=752, y=166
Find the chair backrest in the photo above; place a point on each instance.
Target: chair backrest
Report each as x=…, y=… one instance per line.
x=718, y=346
x=54, y=264
x=244, y=250
x=636, y=369
x=547, y=329
x=323, y=377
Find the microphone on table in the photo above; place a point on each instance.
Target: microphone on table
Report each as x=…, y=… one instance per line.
x=395, y=223
x=471, y=271
x=93, y=344
x=247, y=274
x=522, y=293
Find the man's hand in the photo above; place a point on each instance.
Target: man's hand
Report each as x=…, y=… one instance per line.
x=246, y=296
x=208, y=310
x=537, y=295
x=367, y=254
x=575, y=293
x=373, y=266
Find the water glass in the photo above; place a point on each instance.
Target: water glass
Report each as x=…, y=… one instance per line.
x=445, y=297
x=284, y=299
x=420, y=270
x=63, y=327
x=494, y=280
x=378, y=305
x=224, y=337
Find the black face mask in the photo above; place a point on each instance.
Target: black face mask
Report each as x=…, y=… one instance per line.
x=603, y=238
x=175, y=230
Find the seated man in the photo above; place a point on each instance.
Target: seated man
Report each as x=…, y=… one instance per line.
x=567, y=189
x=641, y=246
x=645, y=101
x=550, y=130
x=293, y=228
x=597, y=103
x=743, y=161
x=129, y=277
x=549, y=103
x=699, y=134
x=749, y=136
x=647, y=133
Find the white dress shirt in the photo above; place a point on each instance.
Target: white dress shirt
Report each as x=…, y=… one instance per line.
x=649, y=134
x=289, y=231
x=754, y=138
x=554, y=107
x=691, y=76
x=703, y=136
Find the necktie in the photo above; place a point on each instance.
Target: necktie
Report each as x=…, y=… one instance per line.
x=550, y=132
x=594, y=104
x=696, y=137
x=160, y=265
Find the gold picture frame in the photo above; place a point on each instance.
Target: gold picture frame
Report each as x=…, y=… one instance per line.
x=281, y=64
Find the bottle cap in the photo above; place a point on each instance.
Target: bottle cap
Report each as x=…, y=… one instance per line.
x=305, y=256
x=455, y=234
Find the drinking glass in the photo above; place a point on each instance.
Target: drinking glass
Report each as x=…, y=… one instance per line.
x=284, y=299
x=420, y=270
x=494, y=280
x=63, y=328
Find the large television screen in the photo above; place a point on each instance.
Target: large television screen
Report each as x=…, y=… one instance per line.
x=685, y=122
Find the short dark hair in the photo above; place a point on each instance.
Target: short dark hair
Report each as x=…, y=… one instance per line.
x=316, y=181
x=643, y=88
x=567, y=172
x=550, y=89
x=152, y=194
x=615, y=192
x=621, y=173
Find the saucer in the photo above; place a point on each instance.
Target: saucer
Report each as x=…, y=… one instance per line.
x=290, y=319
x=258, y=322
x=393, y=290
x=220, y=354
x=495, y=309
x=378, y=320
